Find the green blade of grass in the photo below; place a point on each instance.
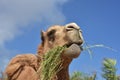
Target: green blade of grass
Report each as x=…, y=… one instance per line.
x=51, y=64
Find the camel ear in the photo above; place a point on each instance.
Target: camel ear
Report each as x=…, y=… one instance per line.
x=42, y=35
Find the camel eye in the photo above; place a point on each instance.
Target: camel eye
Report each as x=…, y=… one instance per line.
x=51, y=35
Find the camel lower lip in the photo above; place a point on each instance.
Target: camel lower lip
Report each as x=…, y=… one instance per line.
x=73, y=51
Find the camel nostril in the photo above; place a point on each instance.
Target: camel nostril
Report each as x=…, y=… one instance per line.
x=72, y=26
x=69, y=28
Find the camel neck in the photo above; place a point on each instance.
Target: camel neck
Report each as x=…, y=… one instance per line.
x=63, y=74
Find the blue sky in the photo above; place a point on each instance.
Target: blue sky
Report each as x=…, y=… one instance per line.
x=22, y=20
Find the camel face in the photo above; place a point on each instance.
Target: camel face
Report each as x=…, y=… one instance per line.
x=63, y=35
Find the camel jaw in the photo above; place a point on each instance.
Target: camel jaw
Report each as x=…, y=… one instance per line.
x=73, y=51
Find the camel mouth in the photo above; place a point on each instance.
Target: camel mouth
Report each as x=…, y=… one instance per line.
x=77, y=43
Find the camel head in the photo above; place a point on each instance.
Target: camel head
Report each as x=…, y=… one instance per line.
x=69, y=35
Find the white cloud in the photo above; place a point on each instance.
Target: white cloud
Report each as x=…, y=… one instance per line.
x=15, y=15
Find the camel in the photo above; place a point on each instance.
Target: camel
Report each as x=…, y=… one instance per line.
x=25, y=66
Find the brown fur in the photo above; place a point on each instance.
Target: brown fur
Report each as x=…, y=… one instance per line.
x=24, y=67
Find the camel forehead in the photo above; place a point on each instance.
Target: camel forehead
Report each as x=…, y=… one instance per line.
x=55, y=27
